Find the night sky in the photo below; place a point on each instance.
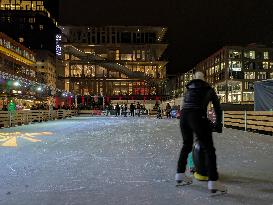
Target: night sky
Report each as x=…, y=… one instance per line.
x=196, y=28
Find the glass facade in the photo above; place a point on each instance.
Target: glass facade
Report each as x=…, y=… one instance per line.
x=29, y=23
x=16, y=60
x=114, y=60
x=233, y=71
x=16, y=48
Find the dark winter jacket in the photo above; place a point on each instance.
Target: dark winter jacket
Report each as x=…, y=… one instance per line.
x=199, y=94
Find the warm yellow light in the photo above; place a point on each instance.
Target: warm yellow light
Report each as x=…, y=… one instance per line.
x=15, y=56
x=9, y=139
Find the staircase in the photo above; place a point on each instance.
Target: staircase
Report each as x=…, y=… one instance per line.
x=87, y=57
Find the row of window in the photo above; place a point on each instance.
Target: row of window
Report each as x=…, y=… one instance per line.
x=91, y=71
x=235, y=54
x=21, y=5
x=16, y=69
x=251, y=54
x=235, y=66
x=9, y=45
x=143, y=55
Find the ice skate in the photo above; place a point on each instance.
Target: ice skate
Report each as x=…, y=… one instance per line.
x=216, y=188
x=182, y=180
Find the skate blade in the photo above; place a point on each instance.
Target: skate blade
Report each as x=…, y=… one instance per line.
x=218, y=193
x=183, y=184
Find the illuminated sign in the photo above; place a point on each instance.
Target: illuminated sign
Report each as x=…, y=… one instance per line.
x=58, y=45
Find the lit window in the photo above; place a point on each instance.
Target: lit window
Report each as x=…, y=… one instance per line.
x=266, y=55
x=134, y=55
x=249, y=54
x=117, y=54
x=235, y=65
x=261, y=75
x=31, y=20
x=41, y=27
x=265, y=65
x=233, y=54
x=252, y=54
x=143, y=55
x=249, y=75
x=138, y=54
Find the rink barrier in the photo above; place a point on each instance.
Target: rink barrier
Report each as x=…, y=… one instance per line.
x=24, y=117
x=90, y=112
x=257, y=121
x=104, y=113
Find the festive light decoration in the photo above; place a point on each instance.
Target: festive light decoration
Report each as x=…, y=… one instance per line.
x=30, y=86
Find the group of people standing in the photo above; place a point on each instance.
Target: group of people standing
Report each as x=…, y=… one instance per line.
x=124, y=109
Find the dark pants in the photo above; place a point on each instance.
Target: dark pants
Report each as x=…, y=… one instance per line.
x=196, y=122
x=132, y=113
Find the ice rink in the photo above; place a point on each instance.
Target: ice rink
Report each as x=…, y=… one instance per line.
x=125, y=161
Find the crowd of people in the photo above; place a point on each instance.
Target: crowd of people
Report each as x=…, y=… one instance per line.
x=124, y=109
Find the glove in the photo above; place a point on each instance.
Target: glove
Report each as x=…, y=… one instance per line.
x=218, y=127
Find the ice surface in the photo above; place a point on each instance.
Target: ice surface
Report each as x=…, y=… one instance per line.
x=130, y=161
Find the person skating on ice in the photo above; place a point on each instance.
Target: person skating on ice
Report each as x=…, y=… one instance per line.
x=194, y=121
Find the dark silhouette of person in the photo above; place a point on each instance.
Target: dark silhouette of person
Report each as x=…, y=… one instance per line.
x=138, y=109
x=194, y=120
x=132, y=109
x=117, y=109
x=168, y=110
x=125, y=110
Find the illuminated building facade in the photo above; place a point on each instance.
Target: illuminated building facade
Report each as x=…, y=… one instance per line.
x=16, y=59
x=233, y=70
x=46, y=68
x=178, y=83
x=17, y=69
x=29, y=23
x=114, y=60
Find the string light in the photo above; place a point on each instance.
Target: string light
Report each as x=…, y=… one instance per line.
x=28, y=85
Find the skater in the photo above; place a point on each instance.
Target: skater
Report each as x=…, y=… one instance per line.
x=168, y=110
x=194, y=121
x=108, y=109
x=132, y=109
x=158, y=115
x=125, y=110
x=138, y=109
x=117, y=110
